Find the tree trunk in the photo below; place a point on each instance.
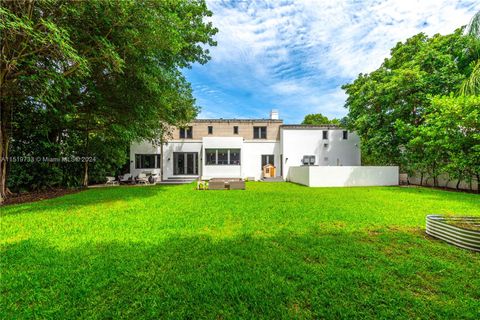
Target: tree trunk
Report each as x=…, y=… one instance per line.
x=4, y=146
x=478, y=183
x=458, y=184
x=85, y=174
x=161, y=159
x=421, y=179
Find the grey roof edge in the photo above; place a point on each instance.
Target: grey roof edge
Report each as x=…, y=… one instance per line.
x=311, y=126
x=236, y=120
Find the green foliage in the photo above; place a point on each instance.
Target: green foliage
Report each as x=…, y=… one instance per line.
x=393, y=108
x=275, y=250
x=319, y=119
x=105, y=73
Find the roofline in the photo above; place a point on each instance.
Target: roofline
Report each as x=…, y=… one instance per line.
x=311, y=126
x=236, y=120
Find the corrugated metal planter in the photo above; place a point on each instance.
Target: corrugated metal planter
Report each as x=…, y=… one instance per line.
x=458, y=231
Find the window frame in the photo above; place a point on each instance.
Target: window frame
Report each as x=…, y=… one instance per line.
x=186, y=132
x=140, y=160
x=235, y=129
x=210, y=129
x=325, y=135
x=228, y=161
x=258, y=132
x=345, y=135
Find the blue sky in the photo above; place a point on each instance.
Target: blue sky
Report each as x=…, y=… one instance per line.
x=295, y=55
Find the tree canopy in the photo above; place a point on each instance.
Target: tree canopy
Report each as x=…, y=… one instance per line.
x=88, y=77
x=411, y=111
x=318, y=119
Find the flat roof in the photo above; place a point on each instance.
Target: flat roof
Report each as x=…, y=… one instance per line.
x=311, y=126
x=237, y=120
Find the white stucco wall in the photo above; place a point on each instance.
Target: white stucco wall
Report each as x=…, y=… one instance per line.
x=343, y=176
x=295, y=143
x=252, y=161
x=142, y=147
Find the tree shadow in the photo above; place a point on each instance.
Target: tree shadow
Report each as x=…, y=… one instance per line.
x=96, y=196
x=322, y=274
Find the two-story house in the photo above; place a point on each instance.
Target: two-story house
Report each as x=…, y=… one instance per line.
x=239, y=148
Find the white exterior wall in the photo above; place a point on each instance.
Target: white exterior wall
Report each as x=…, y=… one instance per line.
x=346, y=176
x=252, y=159
x=295, y=143
x=180, y=146
x=222, y=171
x=143, y=147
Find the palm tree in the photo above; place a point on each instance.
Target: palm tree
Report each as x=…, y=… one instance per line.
x=471, y=85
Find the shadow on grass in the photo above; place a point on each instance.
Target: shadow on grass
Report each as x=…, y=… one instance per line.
x=96, y=196
x=317, y=275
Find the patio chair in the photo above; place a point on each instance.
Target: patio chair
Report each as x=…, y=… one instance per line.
x=237, y=185
x=111, y=181
x=126, y=178
x=142, y=179
x=216, y=185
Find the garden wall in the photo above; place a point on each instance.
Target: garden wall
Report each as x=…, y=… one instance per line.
x=343, y=176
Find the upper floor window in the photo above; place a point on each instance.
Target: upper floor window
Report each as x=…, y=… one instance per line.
x=325, y=135
x=235, y=130
x=186, y=133
x=345, y=135
x=210, y=129
x=259, y=132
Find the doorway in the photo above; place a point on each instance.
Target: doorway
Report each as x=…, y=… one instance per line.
x=185, y=163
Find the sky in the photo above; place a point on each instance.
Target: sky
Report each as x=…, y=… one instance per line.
x=294, y=56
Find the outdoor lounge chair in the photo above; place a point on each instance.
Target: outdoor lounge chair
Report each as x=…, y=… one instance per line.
x=142, y=178
x=216, y=185
x=111, y=181
x=237, y=185
x=126, y=178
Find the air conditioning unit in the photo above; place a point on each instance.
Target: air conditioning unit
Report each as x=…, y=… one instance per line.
x=308, y=160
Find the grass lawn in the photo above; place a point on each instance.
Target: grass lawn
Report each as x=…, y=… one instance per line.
x=276, y=250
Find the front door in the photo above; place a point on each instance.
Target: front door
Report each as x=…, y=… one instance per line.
x=185, y=163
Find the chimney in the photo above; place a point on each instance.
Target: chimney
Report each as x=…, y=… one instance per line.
x=274, y=114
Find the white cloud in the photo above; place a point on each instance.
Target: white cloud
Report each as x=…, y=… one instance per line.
x=295, y=55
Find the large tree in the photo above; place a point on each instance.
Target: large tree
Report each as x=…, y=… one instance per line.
x=398, y=93
x=103, y=72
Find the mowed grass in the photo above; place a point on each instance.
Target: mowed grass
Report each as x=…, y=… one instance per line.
x=274, y=251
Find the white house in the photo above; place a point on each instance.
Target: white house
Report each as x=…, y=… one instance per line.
x=239, y=148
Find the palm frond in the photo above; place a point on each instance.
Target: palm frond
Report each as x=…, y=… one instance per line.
x=471, y=85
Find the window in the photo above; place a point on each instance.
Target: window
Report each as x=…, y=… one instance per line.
x=235, y=130
x=186, y=133
x=345, y=135
x=210, y=129
x=259, y=132
x=267, y=159
x=235, y=156
x=222, y=156
x=325, y=135
x=147, y=161
x=210, y=156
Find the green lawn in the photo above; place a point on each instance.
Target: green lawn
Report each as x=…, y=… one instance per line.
x=276, y=250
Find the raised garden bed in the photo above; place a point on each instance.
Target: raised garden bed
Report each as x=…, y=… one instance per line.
x=463, y=232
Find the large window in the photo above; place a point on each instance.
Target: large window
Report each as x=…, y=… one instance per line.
x=186, y=133
x=259, y=132
x=147, y=161
x=222, y=156
x=267, y=159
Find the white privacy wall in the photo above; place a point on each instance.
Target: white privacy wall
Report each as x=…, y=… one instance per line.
x=345, y=176
x=334, y=151
x=252, y=157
